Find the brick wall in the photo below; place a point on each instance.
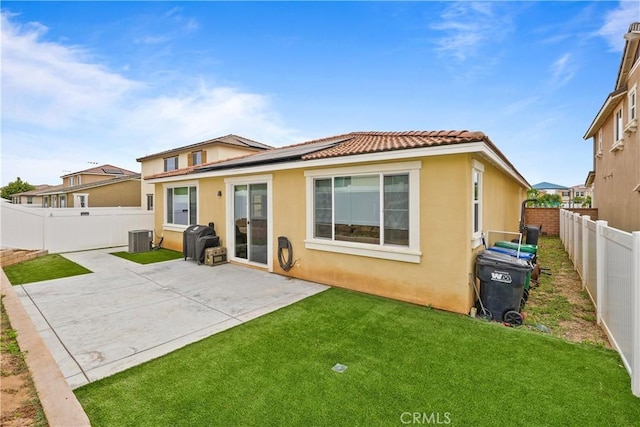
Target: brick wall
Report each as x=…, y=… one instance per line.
x=10, y=256
x=549, y=218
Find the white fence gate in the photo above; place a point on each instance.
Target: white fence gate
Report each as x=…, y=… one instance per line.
x=69, y=229
x=608, y=262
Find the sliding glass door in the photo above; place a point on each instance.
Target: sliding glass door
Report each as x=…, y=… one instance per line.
x=251, y=222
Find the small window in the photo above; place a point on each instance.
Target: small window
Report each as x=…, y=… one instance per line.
x=617, y=127
x=476, y=200
x=182, y=205
x=632, y=97
x=29, y=200
x=171, y=163
x=63, y=201
x=71, y=181
x=599, y=150
x=149, y=202
x=197, y=158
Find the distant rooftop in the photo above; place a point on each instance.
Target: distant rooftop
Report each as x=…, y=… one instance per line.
x=103, y=170
x=230, y=139
x=549, y=186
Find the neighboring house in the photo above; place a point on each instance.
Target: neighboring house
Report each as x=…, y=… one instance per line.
x=193, y=155
x=616, y=144
x=579, y=195
x=100, y=186
x=550, y=188
x=31, y=197
x=396, y=214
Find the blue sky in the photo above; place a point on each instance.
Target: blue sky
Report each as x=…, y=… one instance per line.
x=108, y=82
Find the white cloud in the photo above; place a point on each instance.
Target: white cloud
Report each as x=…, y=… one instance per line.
x=617, y=21
x=60, y=109
x=562, y=70
x=469, y=27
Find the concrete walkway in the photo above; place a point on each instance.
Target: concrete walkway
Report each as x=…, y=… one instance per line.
x=125, y=314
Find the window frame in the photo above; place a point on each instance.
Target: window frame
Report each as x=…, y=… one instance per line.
x=410, y=253
x=171, y=226
x=632, y=98
x=149, y=201
x=599, y=144
x=477, y=169
x=618, y=128
x=176, y=162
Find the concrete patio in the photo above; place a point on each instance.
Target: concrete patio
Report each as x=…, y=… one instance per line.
x=125, y=314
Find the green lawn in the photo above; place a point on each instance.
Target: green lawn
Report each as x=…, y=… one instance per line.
x=149, y=257
x=48, y=267
x=402, y=359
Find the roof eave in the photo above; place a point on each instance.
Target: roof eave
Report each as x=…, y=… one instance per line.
x=609, y=105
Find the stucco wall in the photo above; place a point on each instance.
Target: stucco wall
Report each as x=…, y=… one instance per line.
x=441, y=279
x=618, y=173
x=126, y=193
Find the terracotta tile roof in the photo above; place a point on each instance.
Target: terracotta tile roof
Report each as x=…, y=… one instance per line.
x=103, y=170
x=354, y=143
x=373, y=142
x=231, y=139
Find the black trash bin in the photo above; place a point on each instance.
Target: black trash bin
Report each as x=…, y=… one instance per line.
x=532, y=234
x=502, y=281
x=190, y=236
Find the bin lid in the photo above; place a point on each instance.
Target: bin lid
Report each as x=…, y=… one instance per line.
x=532, y=249
x=511, y=252
x=497, y=257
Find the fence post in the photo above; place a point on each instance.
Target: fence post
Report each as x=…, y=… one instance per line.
x=635, y=328
x=600, y=266
x=576, y=230
x=585, y=249
x=561, y=228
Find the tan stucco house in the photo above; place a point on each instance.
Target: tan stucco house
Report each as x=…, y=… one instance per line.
x=31, y=197
x=100, y=186
x=396, y=214
x=193, y=155
x=615, y=177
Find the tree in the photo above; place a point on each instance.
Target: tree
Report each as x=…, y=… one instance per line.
x=17, y=186
x=578, y=201
x=587, y=202
x=550, y=200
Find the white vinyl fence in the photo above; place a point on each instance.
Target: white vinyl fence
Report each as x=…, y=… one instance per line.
x=69, y=229
x=608, y=261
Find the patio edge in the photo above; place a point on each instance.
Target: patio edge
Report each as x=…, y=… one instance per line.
x=60, y=405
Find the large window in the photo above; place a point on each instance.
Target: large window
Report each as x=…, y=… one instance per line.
x=171, y=163
x=182, y=205
x=476, y=202
x=356, y=215
x=373, y=208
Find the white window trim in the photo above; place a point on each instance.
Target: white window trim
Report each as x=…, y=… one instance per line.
x=599, y=144
x=618, y=131
x=179, y=227
x=76, y=200
x=411, y=253
x=476, y=237
x=632, y=115
x=164, y=163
